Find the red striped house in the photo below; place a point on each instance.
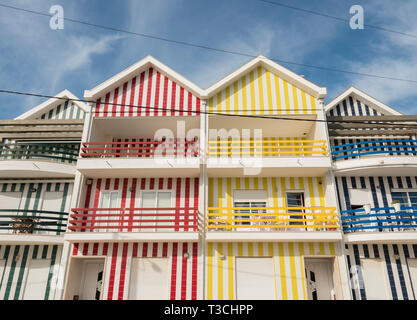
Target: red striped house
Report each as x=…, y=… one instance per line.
x=134, y=228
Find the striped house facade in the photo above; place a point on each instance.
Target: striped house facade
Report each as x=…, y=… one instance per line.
x=379, y=189
x=32, y=196
x=67, y=110
x=152, y=94
x=184, y=273
x=18, y=281
x=261, y=92
x=287, y=262
x=220, y=190
x=351, y=106
x=184, y=191
x=397, y=273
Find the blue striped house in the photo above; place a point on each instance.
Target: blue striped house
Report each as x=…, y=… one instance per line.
x=375, y=168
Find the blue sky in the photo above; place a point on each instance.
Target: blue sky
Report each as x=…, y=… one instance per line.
x=34, y=58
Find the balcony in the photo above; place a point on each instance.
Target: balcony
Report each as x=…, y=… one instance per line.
x=380, y=224
x=375, y=157
x=140, y=149
x=148, y=158
x=372, y=148
x=274, y=156
x=265, y=147
x=273, y=223
x=18, y=225
x=43, y=159
x=134, y=224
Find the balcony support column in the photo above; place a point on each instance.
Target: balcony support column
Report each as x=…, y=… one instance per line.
x=203, y=190
x=344, y=271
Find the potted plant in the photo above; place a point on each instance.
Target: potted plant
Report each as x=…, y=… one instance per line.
x=397, y=205
x=367, y=208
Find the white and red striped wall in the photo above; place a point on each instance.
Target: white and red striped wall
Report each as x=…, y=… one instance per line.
x=151, y=90
x=184, y=275
x=184, y=190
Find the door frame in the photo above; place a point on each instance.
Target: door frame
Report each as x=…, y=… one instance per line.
x=71, y=266
x=337, y=281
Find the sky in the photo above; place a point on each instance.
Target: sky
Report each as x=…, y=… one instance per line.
x=34, y=58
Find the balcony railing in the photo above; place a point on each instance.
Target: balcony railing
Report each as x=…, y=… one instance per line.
x=375, y=147
x=144, y=149
x=267, y=148
x=380, y=219
x=134, y=219
x=61, y=152
x=272, y=219
x=18, y=221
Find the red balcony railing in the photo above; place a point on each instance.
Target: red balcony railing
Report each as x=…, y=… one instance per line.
x=133, y=219
x=145, y=149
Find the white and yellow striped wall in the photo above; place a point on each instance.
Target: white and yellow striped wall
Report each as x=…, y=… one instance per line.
x=288, y=266
x=220, y=190
x=261, y=92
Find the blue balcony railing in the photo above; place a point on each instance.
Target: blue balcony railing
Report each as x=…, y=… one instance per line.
x=380, y=219
x=374, y=147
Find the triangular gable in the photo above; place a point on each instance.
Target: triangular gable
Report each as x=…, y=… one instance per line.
x=55, y=108
x=354, y=102
x=148, y=84
x=262, y=87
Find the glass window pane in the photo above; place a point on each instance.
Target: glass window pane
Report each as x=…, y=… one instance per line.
x=400, y=196
x=148, y=199
x=413, y=198
x=164, y=199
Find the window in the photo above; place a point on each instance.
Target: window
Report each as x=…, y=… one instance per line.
x=295, y=199
x=157, y=199
x=407, y=199
x=109, y=199
x=249, y=199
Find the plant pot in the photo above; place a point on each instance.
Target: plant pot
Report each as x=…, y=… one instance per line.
x=397, y=207
x=367, y=208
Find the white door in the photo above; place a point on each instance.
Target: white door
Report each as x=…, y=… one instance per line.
x=374, y=279
x=149, y=279
x=109, y=199
x=255, y=278
x=91, y=282
x=412, y=267
x=156, y=199
x=52, y=201
x=319, y=276
x=37, y=279
x=9, y=200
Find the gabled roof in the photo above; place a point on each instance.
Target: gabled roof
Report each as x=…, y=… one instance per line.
x=284, y=73
x=51, y=103
x=136, y=68
x=363, y=97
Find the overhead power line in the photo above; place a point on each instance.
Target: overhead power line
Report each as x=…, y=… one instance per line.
x=190, y=44
x=325, y=15
x=195, y=111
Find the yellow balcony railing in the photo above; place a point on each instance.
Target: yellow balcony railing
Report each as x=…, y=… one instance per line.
x=267, y=147
x=272, y=219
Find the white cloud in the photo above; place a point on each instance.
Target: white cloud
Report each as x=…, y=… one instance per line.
x=395, y=55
